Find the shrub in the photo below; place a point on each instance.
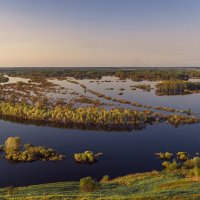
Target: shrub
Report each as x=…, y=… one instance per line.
x=196, y=161
x=165, y=155
x=105, y=178
x=88, y=184
x=165, y=164
x=12, y=144
x=188, y=164
x=194, y=172
x=182, y=156
x=172, y=166
x=188, y=167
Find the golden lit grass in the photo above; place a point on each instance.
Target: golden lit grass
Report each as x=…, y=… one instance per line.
x=145, y=186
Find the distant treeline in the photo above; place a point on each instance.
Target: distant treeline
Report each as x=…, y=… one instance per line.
x=96, y=73
x=153, y=75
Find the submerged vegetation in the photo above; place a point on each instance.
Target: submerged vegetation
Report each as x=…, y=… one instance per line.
x=29, y=153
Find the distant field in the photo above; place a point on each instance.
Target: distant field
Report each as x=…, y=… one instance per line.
x=152, y=185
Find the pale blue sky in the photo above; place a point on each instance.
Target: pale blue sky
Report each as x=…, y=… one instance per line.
x=99, y=33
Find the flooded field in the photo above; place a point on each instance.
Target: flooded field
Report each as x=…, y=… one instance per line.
x=124, y=152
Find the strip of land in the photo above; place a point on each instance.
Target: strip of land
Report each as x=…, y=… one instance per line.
x=153, y=185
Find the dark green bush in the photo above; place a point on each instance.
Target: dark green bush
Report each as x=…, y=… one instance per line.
x=88, y=184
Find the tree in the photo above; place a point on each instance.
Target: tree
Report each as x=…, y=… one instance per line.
x=13, y=144
x=88, y=184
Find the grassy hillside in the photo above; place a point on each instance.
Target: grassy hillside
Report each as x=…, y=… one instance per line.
x=152, y=185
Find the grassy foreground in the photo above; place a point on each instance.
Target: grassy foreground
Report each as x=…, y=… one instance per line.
x=152, y=185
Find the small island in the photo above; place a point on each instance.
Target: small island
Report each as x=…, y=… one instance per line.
x=29, y=152
x=87, y=157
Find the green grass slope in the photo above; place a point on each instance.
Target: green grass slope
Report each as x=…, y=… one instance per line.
x=147, y=186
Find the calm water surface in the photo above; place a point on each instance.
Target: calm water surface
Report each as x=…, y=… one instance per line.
x=124, y=153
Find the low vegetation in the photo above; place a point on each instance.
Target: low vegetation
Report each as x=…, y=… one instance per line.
x=152, y=185
x=183, y=164
x=89, y=117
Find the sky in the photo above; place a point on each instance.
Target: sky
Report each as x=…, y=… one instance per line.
x=117, y=33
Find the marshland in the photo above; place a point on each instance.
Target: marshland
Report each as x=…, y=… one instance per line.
x=72, y=111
